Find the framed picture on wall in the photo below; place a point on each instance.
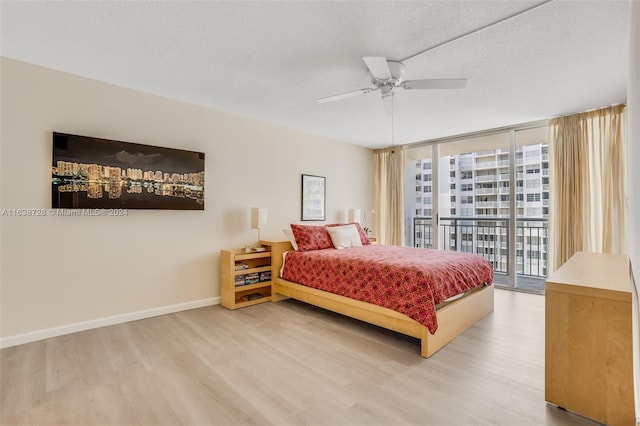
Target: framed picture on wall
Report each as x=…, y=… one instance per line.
x=93, y=173
x=313, y=197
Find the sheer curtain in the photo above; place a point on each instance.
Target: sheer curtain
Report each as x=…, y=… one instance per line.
x=587, y=184
x=389, y=195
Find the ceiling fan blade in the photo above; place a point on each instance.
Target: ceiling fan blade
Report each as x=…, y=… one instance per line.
x=378, y=67
x=345, y=95
x=443, y=83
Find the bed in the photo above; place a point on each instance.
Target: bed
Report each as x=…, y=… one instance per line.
x=452, y=317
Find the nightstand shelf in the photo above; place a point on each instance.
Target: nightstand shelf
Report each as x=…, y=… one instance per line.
x=256, y=278
x=253, y=270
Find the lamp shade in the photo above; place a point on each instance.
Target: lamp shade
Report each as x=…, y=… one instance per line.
x=355, y=215
x=258, y=217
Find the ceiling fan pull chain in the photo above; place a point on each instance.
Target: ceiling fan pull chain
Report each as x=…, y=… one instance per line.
x=392, y=121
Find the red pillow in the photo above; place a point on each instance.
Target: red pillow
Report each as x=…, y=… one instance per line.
x=311, y=237
x=364, y=239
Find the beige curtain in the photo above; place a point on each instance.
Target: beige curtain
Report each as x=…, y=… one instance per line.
x=587, y=184
x=389, y=196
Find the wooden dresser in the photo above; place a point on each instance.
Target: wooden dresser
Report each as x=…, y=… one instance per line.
x=588, y=352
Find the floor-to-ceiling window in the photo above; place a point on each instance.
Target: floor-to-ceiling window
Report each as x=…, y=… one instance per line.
x=485, y=194
x=419, y=212
x=532, y=213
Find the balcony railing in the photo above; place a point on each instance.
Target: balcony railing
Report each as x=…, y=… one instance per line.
x=486, y=204
x=486, y=178
x=489, y=238
x=484, y=191
x=486, y=165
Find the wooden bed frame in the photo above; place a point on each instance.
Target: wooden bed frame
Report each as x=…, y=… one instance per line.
x=453, y=318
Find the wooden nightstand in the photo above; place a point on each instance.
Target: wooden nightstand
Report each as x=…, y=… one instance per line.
x=245, y=277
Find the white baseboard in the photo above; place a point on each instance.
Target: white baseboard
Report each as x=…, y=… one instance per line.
x=33, y=336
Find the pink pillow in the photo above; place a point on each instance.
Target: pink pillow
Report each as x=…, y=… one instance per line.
x=364, y=239
x=311, y=237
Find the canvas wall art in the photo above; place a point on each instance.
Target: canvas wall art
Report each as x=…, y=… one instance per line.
x=95, y=173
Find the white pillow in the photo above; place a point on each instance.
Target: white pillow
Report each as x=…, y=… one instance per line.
x=289, y=234
x=344, y=236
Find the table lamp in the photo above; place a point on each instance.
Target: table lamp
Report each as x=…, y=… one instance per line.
x=258, y=220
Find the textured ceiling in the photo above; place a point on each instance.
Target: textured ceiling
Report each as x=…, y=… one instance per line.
x=271, y=60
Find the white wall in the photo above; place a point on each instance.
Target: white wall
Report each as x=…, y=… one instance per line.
x=633, y=159
x=57, y=271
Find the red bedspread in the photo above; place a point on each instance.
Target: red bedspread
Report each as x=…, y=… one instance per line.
x=408, y=280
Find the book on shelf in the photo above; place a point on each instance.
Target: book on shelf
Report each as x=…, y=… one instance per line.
x=241, y=266
x=239, y=280
x=252, y=278
x=265, y=276
x=252, y=296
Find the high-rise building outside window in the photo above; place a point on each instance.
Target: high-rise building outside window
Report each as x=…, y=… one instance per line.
x=475, y=184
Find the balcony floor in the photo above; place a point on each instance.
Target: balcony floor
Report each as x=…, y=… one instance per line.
x=523, y=282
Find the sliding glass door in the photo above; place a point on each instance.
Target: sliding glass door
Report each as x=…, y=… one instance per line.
x=532, y=212
x=419, y=190
x=485, y=195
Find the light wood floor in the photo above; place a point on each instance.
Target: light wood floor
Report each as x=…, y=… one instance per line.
x=283, y=363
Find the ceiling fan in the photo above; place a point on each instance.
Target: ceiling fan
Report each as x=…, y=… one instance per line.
x=388, y=75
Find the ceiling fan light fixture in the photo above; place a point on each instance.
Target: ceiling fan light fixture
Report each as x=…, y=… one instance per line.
x=396, y=69
x=395, y=72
